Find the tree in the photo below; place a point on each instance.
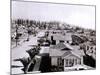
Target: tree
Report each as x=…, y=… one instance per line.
x=17, y=26
x=27, y=25
x=34, y=51
x=31, y=53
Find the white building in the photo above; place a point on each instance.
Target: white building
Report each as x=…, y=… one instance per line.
x=63, y=55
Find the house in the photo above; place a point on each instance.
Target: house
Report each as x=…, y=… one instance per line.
x=90, y=54
x=61, y=37
x=72, y=59
x=63, y=55
x=90, y=49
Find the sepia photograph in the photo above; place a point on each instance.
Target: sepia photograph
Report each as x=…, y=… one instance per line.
x=52, y=37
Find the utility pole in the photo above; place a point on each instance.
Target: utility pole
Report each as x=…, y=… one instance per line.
x=16, y=34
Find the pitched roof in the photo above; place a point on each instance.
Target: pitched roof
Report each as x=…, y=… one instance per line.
x=65, y=37
x=68, y=46
x=62, y=36
x=66, y=53
x=60, y=49
x=58, y=46
x=62, y=46
x=76, y=53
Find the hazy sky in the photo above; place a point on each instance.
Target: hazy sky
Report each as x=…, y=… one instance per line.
x=83, y=16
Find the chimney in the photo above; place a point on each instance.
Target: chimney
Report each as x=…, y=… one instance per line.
x=51, y=38
x=53, y=42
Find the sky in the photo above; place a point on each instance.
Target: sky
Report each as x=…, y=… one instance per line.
x=79, y=15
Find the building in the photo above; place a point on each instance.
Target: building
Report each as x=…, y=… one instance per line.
x=63, y=56
x=90, y=49
x=61, y=37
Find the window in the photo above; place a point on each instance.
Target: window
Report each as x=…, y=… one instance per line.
x=60, y=61
x=91, y=47
x=75, y=61
x=67, y=41
x=80, y=61
x=66, y=63
x=69, y=62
